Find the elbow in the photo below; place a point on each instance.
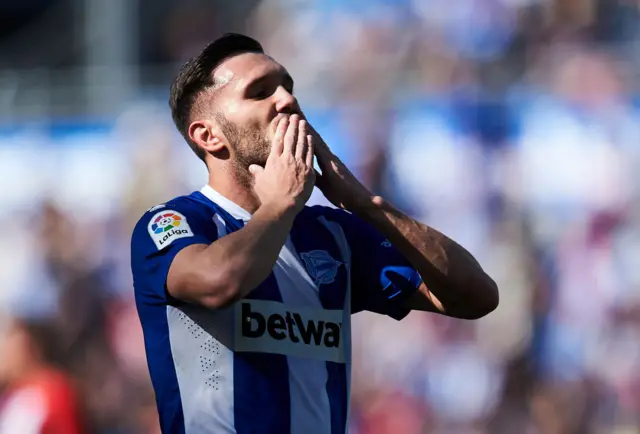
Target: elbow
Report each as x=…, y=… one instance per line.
x=214, y=283
x=217, y=290
x=216, y=301
x=488, y=298
x=225, y=287
x=223, y=293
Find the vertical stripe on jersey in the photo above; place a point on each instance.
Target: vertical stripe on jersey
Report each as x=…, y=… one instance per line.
x=201, y=344
x=161, y=366
x=261, y=401
x=310, y=409
x=309, y=234
x=340, y=422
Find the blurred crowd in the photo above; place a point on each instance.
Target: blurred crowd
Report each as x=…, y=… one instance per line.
x=511, y=125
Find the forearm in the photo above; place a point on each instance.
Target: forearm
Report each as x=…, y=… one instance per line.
x=218, y=274
x=249, y=254
x=448, y=270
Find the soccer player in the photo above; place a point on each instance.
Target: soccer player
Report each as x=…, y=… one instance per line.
x=244, y=293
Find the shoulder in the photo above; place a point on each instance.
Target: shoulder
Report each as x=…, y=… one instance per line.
x=348, y=221
x=177, y=218
x=354, y=228
x=334, y=214
x=182, y=207
x=338, y=221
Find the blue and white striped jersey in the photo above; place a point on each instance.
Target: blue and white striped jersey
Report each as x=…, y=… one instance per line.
x=279, y=360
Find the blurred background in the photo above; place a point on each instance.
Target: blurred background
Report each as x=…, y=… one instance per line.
x=511, y=125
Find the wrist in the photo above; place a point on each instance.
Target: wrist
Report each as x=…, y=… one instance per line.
x=279, y=210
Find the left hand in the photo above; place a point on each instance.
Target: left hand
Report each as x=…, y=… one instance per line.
x=337, y=183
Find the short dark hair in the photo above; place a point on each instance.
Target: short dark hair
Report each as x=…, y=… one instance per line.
x=196, y=75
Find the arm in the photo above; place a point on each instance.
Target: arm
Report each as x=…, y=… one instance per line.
x=453, y=284
x=225, y=271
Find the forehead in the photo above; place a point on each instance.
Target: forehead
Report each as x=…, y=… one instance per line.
x=246, y=67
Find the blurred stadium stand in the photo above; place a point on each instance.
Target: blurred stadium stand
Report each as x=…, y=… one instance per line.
x=511, y=125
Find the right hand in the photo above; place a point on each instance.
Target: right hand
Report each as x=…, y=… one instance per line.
x=287, y=179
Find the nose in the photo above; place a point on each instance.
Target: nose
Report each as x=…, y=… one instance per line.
x=285, y=101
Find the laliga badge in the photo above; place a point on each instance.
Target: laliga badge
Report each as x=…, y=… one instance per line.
x=165, y=227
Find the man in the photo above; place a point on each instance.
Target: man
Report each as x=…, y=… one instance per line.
x=245, y=294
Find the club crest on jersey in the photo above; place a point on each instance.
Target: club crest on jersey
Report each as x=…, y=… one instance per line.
x=165, y=227
x=321, y=266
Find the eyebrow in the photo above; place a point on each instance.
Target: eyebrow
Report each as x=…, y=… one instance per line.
x=287, y=80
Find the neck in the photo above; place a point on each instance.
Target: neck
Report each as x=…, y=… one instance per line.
x=236, y=189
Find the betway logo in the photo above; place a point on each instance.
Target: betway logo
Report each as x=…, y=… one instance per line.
x=291, y=326
x=271, y=327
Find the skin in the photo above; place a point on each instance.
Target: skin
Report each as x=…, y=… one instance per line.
x=259, y=152
x=20, y=356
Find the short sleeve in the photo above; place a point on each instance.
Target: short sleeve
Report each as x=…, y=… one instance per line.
x=381, y=278
x=158, y=237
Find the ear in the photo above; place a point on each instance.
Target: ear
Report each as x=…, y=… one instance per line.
x=207, y=135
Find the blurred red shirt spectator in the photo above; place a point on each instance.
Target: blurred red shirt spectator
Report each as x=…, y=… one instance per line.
x=37, y=397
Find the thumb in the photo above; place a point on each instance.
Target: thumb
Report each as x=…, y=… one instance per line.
x=254, y=169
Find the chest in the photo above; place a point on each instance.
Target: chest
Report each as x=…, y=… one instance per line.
x=312, y=268
x=303, y=278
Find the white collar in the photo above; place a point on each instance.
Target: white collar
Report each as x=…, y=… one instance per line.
x=231, y=207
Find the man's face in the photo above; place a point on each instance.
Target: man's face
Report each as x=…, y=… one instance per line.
x=254, y=93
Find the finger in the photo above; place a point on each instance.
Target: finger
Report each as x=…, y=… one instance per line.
x=291, y=136
x=254, y=169
x=309, y=156
x=321, y=149
x=278, y=139
x=301, y=146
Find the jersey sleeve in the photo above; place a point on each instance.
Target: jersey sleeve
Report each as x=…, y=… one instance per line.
x=381, y=278
x=158, y=237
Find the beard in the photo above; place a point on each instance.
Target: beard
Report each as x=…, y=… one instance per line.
x=249, y=145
